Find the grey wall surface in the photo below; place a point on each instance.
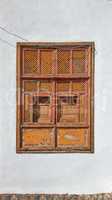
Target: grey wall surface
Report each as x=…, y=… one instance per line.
x=56, y=20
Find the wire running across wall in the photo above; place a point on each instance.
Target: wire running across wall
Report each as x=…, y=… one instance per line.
x=18, y=36
x=13, y=34
x=10, y=33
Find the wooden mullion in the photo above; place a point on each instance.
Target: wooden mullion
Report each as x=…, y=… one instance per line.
x=23, y=102
x=55, y=113
x=57, y=77
x=39, y=64
x=70, y=88
x=35, y=125
x=55, y=132
x=56, y=63
x=71, y=64
x=31, y=108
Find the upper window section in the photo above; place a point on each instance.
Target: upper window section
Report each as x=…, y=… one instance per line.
x=58, y=62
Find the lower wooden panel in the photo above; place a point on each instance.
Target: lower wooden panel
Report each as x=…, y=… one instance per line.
x=73, y=137
x=38, y=138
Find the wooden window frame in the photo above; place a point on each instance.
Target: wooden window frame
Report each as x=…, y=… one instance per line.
x=19, y=78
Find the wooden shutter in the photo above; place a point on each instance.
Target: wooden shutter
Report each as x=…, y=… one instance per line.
x=55, y=97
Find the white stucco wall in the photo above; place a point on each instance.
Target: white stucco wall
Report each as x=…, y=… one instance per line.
x=56, y=20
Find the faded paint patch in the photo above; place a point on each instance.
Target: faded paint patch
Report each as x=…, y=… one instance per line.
x=71, y=137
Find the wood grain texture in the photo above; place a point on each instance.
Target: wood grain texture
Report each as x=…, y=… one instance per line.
x=55, y=97
x=39, y=138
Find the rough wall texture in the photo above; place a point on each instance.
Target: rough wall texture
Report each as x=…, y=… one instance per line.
x=52, y=20
x=102, y=196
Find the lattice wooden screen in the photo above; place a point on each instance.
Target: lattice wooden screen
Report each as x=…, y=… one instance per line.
x=55, y=97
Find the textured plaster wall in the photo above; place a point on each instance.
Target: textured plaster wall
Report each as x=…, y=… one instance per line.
x=56, y=20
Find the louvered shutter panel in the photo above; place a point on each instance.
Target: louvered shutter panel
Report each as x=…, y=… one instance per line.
x=55, y=85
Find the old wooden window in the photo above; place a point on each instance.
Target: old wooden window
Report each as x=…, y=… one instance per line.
x=55, y=97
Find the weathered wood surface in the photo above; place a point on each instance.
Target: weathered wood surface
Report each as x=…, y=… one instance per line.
x=55, y=93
